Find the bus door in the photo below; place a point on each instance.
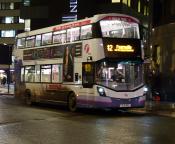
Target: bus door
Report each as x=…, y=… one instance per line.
x=88, y=75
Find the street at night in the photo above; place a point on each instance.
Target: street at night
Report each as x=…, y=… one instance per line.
x=87, y=72
x=45, y=124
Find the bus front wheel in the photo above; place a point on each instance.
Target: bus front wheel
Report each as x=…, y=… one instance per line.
x=72, y=103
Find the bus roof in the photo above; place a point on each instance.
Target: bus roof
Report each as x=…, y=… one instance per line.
x=81, y=22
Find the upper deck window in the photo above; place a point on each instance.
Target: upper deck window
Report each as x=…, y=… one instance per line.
x=73, y=34
x=47, y=38
x=86, y=31
x=30, y=41
x=59, y=36
x=21, y=43
x=119, y=28
x=38, y=40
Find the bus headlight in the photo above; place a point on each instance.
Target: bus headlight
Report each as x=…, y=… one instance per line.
x=101, y=91
x=145, y=89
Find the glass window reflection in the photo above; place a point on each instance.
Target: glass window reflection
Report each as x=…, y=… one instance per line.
x=119, y=75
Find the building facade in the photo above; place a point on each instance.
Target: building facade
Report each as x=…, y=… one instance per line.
x=44, y=13
x=163, y=45
x=10, y=25
x=10, y=21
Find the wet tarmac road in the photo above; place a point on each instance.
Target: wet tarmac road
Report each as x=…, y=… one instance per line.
x=41, y=124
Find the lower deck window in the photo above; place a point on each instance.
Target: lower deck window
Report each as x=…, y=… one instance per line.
x=56, y=73
x=46, y=73
x=30, y=74
x=42, y=73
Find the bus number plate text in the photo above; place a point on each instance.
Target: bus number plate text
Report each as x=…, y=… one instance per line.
x=125, y=105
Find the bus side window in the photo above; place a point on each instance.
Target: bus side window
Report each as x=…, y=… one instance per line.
x=88, y=74
x=29, y=73
x=86, y=32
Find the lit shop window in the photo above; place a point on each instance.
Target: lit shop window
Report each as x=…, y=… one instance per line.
x=30, y=41
x=86, y=31
x=9, y=20
x=46, y=38
x=26, y=2
x=27, y=24
x=129, y=3
x=21, y=20
x=11, y=6
x=7, y=33
x=139, y=9
x=115, y=1
x=125, y=1
x=46, y=73
x=59, y=36
x=73, y=34
x=6, y=6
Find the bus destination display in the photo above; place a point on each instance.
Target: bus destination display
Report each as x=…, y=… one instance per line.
x=122, y=48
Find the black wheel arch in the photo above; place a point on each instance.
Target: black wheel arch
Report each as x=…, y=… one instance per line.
x=68, y=94
x=27, y=92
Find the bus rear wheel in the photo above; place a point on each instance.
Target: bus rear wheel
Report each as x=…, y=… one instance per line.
x=72, y=102
x=28, y=99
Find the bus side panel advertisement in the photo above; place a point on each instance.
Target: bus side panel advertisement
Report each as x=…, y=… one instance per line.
x=68, y=64
x=52, y=52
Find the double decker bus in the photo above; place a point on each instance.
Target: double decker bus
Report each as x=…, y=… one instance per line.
x=94, y=62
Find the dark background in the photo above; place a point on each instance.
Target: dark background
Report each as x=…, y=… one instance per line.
x=5, y=54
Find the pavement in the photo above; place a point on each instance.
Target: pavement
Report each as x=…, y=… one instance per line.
x=157, y=108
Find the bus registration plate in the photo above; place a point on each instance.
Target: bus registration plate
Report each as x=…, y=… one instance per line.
x=125, y=105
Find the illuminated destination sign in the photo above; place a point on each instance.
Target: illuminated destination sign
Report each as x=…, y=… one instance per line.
x=119, y=48
x=75, y=24
x=126, y=48
x=122, y=18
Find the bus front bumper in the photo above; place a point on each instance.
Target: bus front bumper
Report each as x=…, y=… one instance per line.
x=110, y=102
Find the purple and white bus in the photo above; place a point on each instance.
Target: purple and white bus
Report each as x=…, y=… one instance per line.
x=94, y=62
